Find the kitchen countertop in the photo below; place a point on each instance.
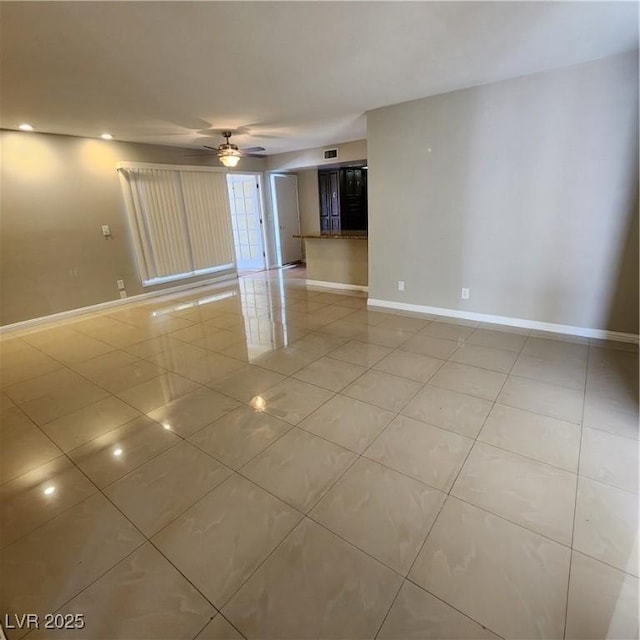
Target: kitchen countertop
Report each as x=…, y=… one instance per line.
x=340, y=235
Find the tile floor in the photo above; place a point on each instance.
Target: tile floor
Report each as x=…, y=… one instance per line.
x=265, y=461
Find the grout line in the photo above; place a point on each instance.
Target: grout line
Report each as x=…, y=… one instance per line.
x=575, y=502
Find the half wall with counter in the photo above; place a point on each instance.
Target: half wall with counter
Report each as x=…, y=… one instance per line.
x=338, y=260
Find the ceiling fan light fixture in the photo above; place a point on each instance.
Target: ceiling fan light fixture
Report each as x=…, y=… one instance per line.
x=229, y=158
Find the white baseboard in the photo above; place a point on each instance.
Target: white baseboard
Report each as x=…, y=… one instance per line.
x=336, y=285
x=505, y=320
x=110, y=304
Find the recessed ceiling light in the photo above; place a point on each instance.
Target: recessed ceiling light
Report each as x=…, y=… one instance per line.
x=25, y=127
x=49, y=490
x=106, y=136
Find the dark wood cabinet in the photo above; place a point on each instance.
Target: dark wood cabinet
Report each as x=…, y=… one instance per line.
x=329, y=187
x=343, y=199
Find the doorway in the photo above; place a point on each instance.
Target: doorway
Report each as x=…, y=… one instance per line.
x=246, y=218
x=284, y=193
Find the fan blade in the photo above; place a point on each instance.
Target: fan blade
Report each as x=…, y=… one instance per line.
x=200, y=155
x=252, y=149
x=206, y=146
x=253, y=155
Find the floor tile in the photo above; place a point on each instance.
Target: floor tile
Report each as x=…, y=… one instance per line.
x=429, y=454
x=448, y=331
x=193, y=411
x=382, y=512
x=361, y=353
x=95, y=367
x=615, y=345
x=564, y=372
x=609, y=459
x=5, y=402
x=150, y=347
x=143, y=596
x=507, y=578
x=42, y=385
x=531, y=494
x=315, y=585
x=552, y=348
x=77, y=428
x=317, y=343
x=291, y=400
x=127, y=376
x=239, y=435
x=246, y=383
x=449, y=410
x=430, y=346
x=221, y=540
x=409, y=365
x=412, y=325
x=116, y=453
x=616, y=416
x=496, y=339
x=75, y=349
x=52, y=564
x=25, y=365
x=40, y=495
x=554, y=336
x=345, y=328
x=371, y=318
x=473, y=381
x=620, y=389
x=347, y=422
x=62, y=402
x=299, y=468
x=606, y=526
x=548, y=399
x=330, y=373
x=160, y=490
x=391, y=338
x=603, y=602
x=417, y=615
x=533, y=435
x=219, y=340
x=210, y=368
x=219, y=629
x=24, y=446
x=285, y=361
x=500, y=360
x=383, y=390
x=157, y=391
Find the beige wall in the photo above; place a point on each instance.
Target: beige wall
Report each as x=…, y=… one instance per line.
x=309, y=201
x=343, y=261
x=57, y=192
x=524, y=191
x=306, y=158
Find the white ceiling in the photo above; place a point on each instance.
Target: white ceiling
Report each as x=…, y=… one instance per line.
x=287, y=75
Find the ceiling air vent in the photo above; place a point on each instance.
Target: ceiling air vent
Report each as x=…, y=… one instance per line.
x=330, y=154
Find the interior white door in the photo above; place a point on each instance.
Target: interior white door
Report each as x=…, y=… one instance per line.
x=284, y=189
x=246, y=217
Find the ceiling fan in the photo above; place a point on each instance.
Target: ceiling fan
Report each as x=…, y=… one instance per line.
x=230, y=155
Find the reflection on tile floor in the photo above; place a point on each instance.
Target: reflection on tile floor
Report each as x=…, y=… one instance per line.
x=263, y=460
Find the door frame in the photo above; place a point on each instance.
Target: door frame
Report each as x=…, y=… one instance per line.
x=274, y=208
x=266, y=247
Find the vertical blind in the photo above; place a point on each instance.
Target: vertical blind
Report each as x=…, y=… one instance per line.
x=180, y=221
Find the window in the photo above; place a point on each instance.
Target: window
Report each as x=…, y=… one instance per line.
x=180, y=220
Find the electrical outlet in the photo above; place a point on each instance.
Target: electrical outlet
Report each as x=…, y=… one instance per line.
x=120, y=284
x=465, y=293
x=106, y=230
x=400, y=285
x=123, y=294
